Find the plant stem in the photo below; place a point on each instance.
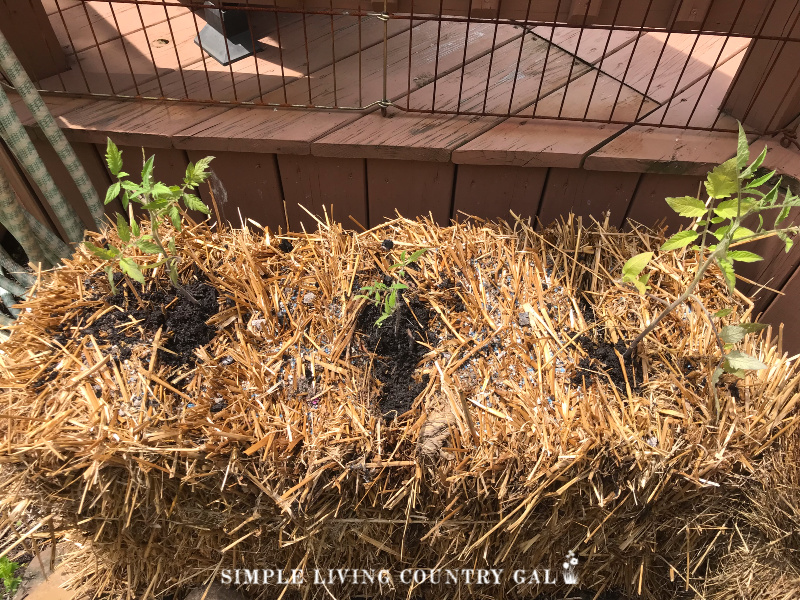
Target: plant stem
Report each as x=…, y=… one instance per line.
x=173, y=271
x=682, y=298
x=720, y=344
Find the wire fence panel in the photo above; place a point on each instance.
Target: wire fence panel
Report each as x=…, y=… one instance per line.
x=653, y=62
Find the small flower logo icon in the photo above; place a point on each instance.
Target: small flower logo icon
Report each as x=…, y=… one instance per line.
x=570, y=566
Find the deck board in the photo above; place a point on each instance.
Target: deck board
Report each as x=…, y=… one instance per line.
x=413, y=136
x=91, y=23
x=293, y=131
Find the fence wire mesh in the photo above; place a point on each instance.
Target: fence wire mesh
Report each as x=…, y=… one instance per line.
x=654, y=62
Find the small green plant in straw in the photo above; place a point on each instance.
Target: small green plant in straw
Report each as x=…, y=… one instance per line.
x=386, y=296
x=162, y=205
x=717, y=227
x=8, y=569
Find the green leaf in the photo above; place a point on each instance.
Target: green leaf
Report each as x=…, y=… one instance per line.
x=110, y=274
x=194, y=203
x=198, y=172
x=786, y=240
x=723, y=312
x=135, y=228
x=156, y=205
x=131, y=269
x=131, y=187
x=147, y=172
x=148, y=247
x=175, y=217
x=716, y=375
x=633, y=268
x=112, y=192
x=741, y=360
x=114, y=250
x=758, y=182
x=679, y=240
x=123, y=230
x=687, y=206
x=727, y=271
x=113, y=158
x=744, y=256
x=723, y=181
x=160, y=190
x=155, y=265
x=771, y=196
x=171, y=245
x=742, y=149
x=750, y=171
x=729, y=209
x=783, y=214
x=100, y=253
x=753, y=327
x=415, y=256
x=738, y=234
x=732, y=334
x=717, y=220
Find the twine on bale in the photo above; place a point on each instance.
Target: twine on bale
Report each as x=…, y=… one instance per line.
x=529, y=436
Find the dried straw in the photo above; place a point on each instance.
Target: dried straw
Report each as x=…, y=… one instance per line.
x=510, y=457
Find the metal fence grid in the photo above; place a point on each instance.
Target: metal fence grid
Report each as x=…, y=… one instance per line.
x=473, y=65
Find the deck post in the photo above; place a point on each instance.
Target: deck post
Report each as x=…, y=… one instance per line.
x=226, y=27
x=765, y=93
x=28, y=30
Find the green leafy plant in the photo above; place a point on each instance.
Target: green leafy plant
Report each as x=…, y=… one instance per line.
x=8, y=569
x=162, y=204
x=386, y=296
x=733, y=196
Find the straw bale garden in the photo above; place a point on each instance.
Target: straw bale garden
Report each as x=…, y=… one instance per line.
x=512, y=411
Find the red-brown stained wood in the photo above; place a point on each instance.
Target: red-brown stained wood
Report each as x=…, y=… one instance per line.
x=412, y=137
x=27, y=28
x=690, y=14
x=649, y=203
x=279, y=131
x=125, y=65
x=133, y=123
x=664, y=150
x=91, y=23
x=338, y=184
x=586, y=193
x=777, y=266
x=695, y=110
x=766, y=91
x=490, y=192
x=414, y=188
x=534, y=143
x=660, y=64
x=584, y=12
x=784, y=310
x=245, y=182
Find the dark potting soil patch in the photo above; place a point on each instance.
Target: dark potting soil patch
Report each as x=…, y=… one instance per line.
x=183, y=322
x=397, y=351
x=601, y=357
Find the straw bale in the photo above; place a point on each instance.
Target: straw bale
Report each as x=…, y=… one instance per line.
x=282, y=441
